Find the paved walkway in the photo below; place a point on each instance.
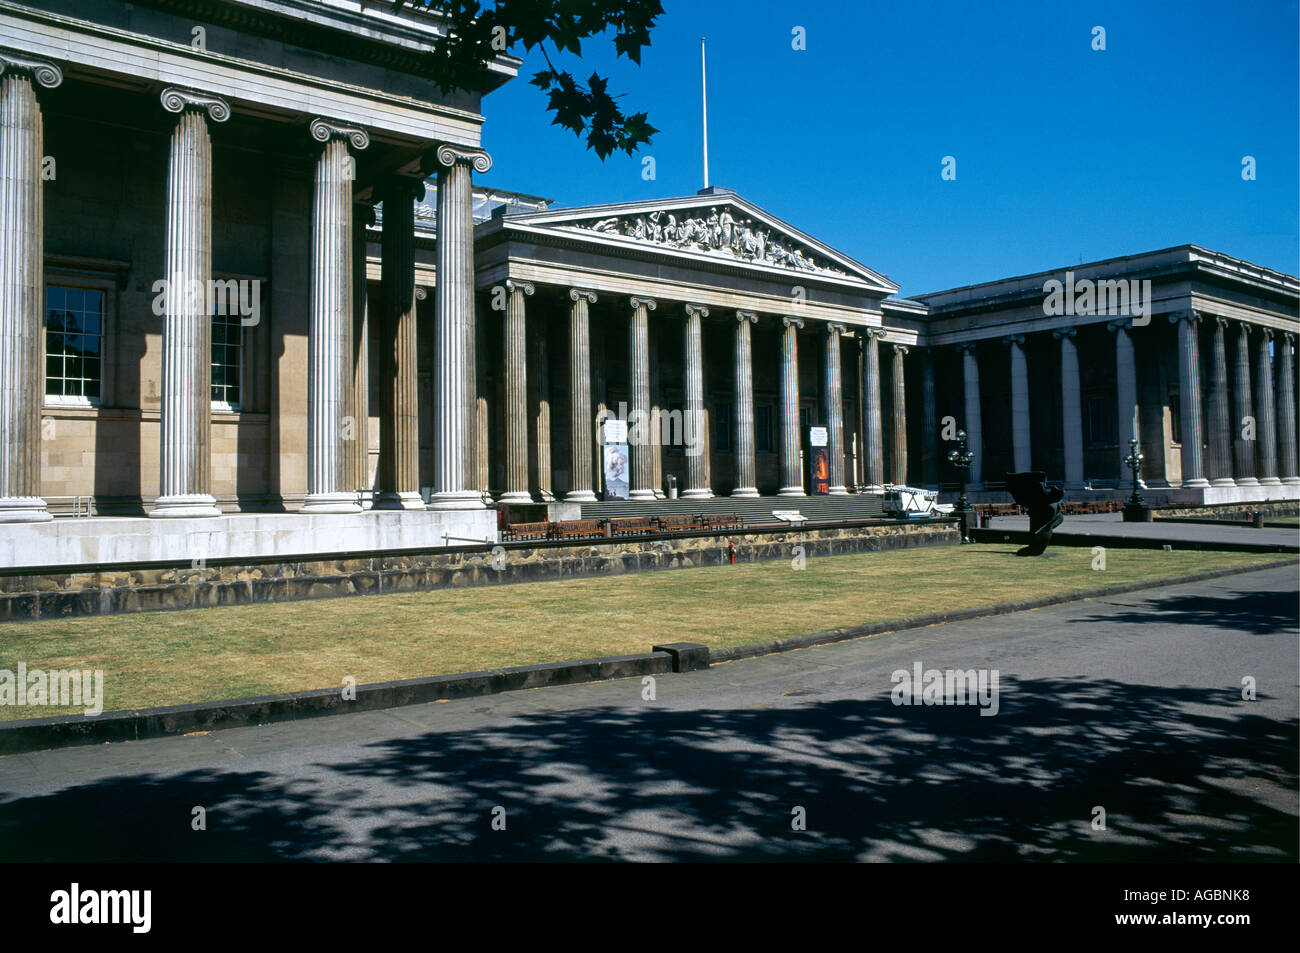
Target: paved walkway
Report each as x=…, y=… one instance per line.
x=1112, y=524
x=1132, y=704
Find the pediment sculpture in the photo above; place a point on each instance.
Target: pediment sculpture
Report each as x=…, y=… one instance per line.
x=715, y=232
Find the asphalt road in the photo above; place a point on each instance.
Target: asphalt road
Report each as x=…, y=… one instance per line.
x=1131, y=704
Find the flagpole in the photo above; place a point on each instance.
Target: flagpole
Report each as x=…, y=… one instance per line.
x=704, y=102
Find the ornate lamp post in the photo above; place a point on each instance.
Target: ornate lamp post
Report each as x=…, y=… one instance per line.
x=961, y=459
x=1134, y=462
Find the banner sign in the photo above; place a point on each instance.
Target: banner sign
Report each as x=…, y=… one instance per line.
x=616, y=471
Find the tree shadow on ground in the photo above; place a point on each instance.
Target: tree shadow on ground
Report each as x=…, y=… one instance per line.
x=1257, y=612
x=1183, y=774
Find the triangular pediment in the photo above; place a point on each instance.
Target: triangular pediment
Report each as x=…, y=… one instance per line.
x=718, y=227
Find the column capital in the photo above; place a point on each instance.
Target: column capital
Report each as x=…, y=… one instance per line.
x=1120, y=324
x=1016, y=339
x=323, y=130
x=694, y=309
x=1189, y=316
x=1266, y=334
x=648, y=303
x=525, y=286
x=1288, y=338
x=901, y=349
x=749, y=316
x=790, y=321
x=177, y=100
x=835, y=328
x=869, y=333
x=579, y=294
x=1060, y=333
x=421, y=292
x=448, y=155
x=967, y=347
x=44, y=72
x=1219, y=320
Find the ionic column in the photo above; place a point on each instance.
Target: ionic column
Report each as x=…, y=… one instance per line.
x=833, y=402
x=453, y=332
x=357, y=458
x=1219, y=459
x=1265, y=433
x=1020, y=452
x=1284, y=358
x=1071, y=413
x=1189, y=397
x=693, y=423
x=1243, y=450
x=929, y=421
x=898, y=418
x=22, y=286
x=539, y=407
x=638, y=367
x=970, y=376
x=185, y=438
x=399, y=416
x=791, y=468
x=516, y=348
x=873, y=439
x=743, y=369
x=655, y=424
x=1126, y=392
x=580, y=419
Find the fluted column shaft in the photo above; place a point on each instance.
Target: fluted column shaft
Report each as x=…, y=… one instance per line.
x=22, y=287
x=693, y=422
x=970, y=376
x=1243, y=450
x=1071, y=413
x=185, y=439
x=539, y=404
x=833, y=404
x=1265, y=433
x=1219, y=459
x=655, y=426
x=453, y=332
x=357, y=458
x=929, y=421
x=643, y=448
x=399, y=420
x=791, y=468
x=898, y=419
x=1284, y=358
x=516, y=397
x=873, y=437
x=746, y=478
x=580, y=419
x=1189, y=398
x=1020, y=450
x=1126, y=393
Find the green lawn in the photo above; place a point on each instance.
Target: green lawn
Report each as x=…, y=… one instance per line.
x=167, y=658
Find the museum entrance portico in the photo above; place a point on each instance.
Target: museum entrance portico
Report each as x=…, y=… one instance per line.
x=717, y=333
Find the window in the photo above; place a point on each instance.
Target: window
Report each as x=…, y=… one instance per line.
x=722, y=429
x=1101, y=422
x=763, y=429
x=1175, y=421
x=74, y=342
x=227, y=347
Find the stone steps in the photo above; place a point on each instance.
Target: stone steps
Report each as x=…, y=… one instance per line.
x=752, y=512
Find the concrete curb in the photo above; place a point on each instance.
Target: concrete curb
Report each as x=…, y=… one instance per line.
x=1020, y=537
x=959, y=615
x=37, y=734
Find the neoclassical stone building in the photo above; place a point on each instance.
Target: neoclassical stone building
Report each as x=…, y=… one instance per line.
x=253, y=302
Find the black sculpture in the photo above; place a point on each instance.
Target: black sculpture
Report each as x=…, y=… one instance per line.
x=1044, y=505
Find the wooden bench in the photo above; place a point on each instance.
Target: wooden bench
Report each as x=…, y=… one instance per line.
x=568, y=529
x=631, y=525
x=529, y=530
x=678, y=524
x=721, y=521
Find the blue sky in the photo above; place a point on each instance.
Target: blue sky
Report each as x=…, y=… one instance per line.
x=1063, y=154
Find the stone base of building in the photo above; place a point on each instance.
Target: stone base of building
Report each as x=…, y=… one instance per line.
x=136, y=541
x=116, y=589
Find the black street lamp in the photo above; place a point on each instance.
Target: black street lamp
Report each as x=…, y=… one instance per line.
x=961, y=459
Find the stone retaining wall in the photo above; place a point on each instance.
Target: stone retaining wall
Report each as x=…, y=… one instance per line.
x=55, y=595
